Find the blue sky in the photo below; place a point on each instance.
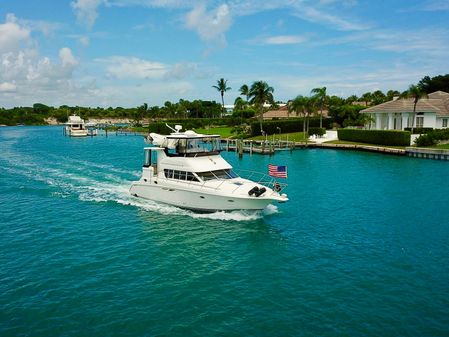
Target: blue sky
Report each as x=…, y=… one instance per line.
x=127, y=52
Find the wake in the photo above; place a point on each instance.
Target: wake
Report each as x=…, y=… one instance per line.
x=100, y=183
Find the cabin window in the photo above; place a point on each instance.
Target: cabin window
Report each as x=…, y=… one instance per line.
x=444, y=122
x=191, y=177
x=218, y=174
x=168, y=174
x=419, y=122
x=179, y=175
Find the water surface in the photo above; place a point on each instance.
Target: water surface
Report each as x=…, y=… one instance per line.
x=361, y=249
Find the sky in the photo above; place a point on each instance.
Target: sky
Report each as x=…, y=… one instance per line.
x=129, y=52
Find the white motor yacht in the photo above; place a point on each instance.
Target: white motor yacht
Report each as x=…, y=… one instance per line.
x=75, y=127
x=186, y=170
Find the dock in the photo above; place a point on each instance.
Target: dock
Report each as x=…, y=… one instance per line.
x=270, y=147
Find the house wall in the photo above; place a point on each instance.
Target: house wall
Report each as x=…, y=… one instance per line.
x=429, y=119
x=439, y=122
x=386, y=121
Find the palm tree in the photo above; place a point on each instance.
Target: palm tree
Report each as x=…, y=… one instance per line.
x=261, y=93
x=415, y=92
x=305, y=106
x=367, y=97
x=239, y=104
x=244, y=90
x=222, y=87
x=320, y=95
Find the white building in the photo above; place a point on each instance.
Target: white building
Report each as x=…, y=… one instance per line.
x=431, y=112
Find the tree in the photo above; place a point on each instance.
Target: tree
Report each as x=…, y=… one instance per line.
x=305, y=106
x=351, y=99
x=222, y=87
x=320, y=95
x=244, y=90
x=429, y=85
x=392, y=94
x=259, y=94
x=367, y=97
x=378, y=97
x=415, y=92
x=239, y=103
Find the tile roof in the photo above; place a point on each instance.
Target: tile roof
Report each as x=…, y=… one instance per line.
x=282, y=112
x=437, y=102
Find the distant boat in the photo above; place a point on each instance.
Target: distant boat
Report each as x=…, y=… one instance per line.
x=75, y=127
x=185, y=169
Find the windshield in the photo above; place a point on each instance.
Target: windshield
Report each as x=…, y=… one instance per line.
x=217, y=174
x=198, y=145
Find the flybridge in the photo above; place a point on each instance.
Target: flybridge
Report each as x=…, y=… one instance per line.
x=187, y=143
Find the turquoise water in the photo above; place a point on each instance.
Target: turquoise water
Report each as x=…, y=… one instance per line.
x=362, y=248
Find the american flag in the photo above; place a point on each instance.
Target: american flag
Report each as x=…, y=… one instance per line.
x=277, y=171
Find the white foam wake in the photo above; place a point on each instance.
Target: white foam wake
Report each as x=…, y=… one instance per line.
x=85, y=184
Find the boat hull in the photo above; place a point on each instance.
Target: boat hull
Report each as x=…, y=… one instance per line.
x=199, y=200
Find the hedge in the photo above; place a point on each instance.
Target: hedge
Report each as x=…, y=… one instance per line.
x=288, y=125
x=378, y=137
x=420, y=131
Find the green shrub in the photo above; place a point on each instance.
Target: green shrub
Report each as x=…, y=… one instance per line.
x=379, y=137
x=317, y=131
x=432, y=137
x=425, y=140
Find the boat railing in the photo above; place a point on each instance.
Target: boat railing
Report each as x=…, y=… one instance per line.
x=262, y=179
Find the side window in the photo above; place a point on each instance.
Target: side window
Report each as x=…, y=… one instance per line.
x=168, y=173
x=191, y=177
x=444, y=122
x=182, y=175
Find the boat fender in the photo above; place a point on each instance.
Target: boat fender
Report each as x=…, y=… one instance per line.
x=277, y=187
x=260, y=191
x=254, y=190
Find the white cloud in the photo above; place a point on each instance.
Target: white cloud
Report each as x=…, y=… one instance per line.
x=317, y=16
x=211, y=26
x=132, y=67
x=7, y=87
x=436, y=5
x=154, y=3
x=284, y=39
x=86, y=11
x=12, y=35
x=84, y=40
x=67, y=59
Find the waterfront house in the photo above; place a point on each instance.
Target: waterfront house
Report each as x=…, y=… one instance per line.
x=431, y=112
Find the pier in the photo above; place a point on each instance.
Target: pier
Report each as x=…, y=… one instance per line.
x=258, y=146
x=270, y=147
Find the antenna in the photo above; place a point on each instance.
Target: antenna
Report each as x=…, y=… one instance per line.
x=176, y=129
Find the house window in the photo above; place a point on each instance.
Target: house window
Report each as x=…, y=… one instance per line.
x=419, y=122
x=444, y=122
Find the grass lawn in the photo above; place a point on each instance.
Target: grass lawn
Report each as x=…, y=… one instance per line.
x=292, y=137
x=356, y=143
x=442, y=146
x=224, y=132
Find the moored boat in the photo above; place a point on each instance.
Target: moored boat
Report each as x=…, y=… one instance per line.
x=75, y=127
